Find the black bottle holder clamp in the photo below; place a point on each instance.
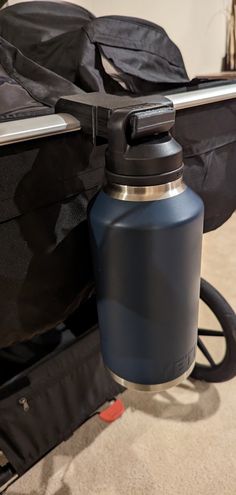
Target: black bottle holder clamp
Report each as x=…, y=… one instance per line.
x=141, y=149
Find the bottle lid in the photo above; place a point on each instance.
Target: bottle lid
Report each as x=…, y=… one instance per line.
x=141, y=151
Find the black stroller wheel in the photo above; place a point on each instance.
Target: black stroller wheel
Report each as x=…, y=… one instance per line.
x=226, y=369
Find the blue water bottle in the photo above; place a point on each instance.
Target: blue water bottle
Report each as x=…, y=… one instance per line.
x=146, y=230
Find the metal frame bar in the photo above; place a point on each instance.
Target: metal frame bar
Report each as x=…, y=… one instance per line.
x=39, y=127
x=198, y=97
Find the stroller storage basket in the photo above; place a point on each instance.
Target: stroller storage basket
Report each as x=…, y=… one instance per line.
x=43, y=405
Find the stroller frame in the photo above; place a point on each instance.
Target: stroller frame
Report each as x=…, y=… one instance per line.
x=39, y=127
x=58, y=123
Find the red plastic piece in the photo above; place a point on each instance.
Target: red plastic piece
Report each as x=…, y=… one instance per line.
x=113, y=412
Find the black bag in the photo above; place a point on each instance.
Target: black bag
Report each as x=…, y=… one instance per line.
x=118, y=53
x=27, y=89
x=46, y=32
x=95, y=53
x=46, y=184
x=207, y=135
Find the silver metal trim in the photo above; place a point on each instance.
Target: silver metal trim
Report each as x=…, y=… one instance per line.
x=160, y=387
x=38, y=127
x=8, y=483
x=145, y=193
x=204, y=96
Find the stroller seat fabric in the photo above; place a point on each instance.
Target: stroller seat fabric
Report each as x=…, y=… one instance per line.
x=45, y=186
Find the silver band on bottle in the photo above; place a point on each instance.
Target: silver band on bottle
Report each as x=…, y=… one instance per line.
x=145, y=193
x=160, y=387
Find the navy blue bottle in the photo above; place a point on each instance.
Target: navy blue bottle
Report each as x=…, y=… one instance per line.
x=146, y=234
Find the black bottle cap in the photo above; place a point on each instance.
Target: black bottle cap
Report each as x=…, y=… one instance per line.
x=141, y=150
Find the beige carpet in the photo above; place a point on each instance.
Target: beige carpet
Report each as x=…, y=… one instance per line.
x=181, y=442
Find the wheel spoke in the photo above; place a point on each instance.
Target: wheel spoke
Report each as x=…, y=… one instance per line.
x=205, y=352
x=210, y=333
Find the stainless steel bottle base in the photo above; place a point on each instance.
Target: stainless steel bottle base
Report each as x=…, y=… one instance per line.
x=160, y=387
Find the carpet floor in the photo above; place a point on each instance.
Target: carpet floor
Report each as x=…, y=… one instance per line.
x=179, y=442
